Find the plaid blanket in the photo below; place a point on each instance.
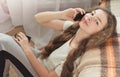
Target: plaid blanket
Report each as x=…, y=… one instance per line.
x=100, y=62
x=110, y=58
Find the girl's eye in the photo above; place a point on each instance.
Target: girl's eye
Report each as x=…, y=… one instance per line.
x=92, y=14
x=97, y=23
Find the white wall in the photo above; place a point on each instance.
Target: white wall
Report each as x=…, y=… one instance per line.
x=22, y=13
x=115, y=8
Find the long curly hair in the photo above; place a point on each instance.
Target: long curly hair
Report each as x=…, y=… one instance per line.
x=96, y=40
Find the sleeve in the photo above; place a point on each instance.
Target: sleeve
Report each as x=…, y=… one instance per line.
x=58, y=69
x=36, y=51
x=67, y=24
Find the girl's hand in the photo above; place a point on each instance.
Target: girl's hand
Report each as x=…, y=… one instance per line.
x=70, y=13
x=82, y=11
x=22, y=40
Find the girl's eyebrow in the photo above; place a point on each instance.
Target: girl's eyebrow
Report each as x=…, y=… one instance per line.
x=98, y=17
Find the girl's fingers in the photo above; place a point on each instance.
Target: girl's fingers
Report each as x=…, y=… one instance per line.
x=21, y=35
x=17, y=40
x=82, y=11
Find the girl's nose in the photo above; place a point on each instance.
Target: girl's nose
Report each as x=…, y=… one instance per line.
x=91, y=18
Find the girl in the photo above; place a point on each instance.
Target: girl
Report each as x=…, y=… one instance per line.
x=58, y=58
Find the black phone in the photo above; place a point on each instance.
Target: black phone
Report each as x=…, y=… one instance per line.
x=29, y=38
x=78, y=17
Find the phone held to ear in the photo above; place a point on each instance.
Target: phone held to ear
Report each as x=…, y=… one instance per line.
x=78, y=17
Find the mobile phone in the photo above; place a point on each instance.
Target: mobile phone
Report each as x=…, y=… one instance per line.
x=28, y=37
x=78, y=17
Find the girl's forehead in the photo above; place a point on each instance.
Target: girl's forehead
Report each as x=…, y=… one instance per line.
x=102, y=15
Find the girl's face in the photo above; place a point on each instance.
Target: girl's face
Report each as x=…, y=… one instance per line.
x=93, y=22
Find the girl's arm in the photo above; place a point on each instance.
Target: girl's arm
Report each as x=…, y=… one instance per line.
x=39, y=68
x=22, y=40
x=55, y=19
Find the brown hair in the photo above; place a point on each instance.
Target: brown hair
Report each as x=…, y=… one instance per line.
x=96, y=40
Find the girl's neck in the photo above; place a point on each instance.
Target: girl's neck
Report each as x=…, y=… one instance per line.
x=80, y=35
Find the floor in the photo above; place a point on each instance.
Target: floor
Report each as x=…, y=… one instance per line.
x=12, y=72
